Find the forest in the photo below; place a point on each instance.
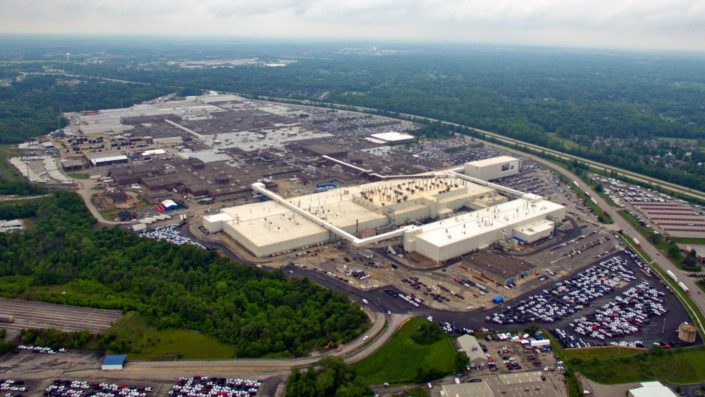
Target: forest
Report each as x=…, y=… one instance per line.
x=639, y=111
x=180, y=287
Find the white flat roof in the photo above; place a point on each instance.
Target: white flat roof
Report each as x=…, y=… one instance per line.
x=106, y=159
x=393, y=136
x=505, y=215
x=492, y=161
x=268, y=222
x=652, y=389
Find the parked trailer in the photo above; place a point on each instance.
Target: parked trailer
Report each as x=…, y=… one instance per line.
x=6, y=318
x=683, y=287
x=671, y=275
x=636, y=242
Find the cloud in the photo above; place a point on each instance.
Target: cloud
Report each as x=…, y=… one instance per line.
x=630, y=23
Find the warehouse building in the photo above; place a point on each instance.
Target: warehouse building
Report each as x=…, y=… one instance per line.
x=492, y=168
x=268, y=228
x=280, y=225
x=392, y=138
x=103, y=159
x=651, y=389
x=458, y=235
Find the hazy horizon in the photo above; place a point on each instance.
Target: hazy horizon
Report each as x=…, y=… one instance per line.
x=597, y=24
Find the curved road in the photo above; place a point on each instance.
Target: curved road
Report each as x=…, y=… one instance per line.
x=594, y=164
x=646, y=246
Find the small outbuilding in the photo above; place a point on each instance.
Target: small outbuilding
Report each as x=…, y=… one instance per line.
x=687, y=332
x=651, y=389
x=471, y=347
x=114, y=362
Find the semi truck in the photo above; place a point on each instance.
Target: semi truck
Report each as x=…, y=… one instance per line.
x=6, y=318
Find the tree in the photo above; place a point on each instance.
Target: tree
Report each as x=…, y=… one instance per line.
x=461, y=362
x=427, y=333
x=328, y=378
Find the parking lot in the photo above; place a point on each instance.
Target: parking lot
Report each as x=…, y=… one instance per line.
x=30, y=314
x=171, y=234
x=616, y=300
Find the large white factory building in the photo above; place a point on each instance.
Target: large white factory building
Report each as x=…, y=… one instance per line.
x=470, y=214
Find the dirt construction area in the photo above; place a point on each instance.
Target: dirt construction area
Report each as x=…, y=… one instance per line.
x=466, y=283
x=29, y=314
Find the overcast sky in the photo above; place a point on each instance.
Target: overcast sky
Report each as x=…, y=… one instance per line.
x=643, y=24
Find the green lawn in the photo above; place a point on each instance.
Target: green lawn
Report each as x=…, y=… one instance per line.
x=688, y=240
x=78, y=175
x=149, y=343
x=601, y=353
x=612, y=366
x=7, y=171
x=397, y=360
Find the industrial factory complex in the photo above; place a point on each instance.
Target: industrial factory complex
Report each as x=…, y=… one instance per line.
x=368, y=201
x=439, y=215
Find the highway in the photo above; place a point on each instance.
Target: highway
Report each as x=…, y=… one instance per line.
x=499, y=137
x=620, y=223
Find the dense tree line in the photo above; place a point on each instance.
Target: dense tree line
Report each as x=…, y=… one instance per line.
x=171, y=286
x=605, y=106
x=19, y=187
x=331, y=377
x=54, y=338
x=32, y=106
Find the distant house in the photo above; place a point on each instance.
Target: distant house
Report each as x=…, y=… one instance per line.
x=470, y=346
x=114, y=362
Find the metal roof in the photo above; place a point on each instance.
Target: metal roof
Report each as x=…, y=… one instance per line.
x=115, y=359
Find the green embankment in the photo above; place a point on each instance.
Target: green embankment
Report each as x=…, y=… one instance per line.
x=614, y=365
x=397, y=361
x=149, y=343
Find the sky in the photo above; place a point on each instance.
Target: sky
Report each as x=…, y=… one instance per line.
x=625, y=24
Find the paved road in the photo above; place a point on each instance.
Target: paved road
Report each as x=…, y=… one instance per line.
x=597, y=165
x=85, y=190
x=621, y=223
x=382, y=329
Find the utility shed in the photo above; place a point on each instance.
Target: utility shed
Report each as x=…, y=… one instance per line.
x=114, y=362
x=469, y=345
x=651, y=389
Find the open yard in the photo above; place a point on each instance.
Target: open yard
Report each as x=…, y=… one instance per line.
x=149, y=343
x=30, y=314
x=396, y=362
x=618, y=365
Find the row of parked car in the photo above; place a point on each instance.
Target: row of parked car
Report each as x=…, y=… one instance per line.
x=83, y=388
x=569, y=296
x=12, y=387
x=170, y=234
x=203, y=386
x=41, y=349
x=626, y=315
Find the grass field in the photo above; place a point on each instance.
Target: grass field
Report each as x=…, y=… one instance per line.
x=601, y=353
x=397, y=360
x=615, y=365
x=7, y=171
x=78, y=175
x=688, y=240
x=149, y=343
